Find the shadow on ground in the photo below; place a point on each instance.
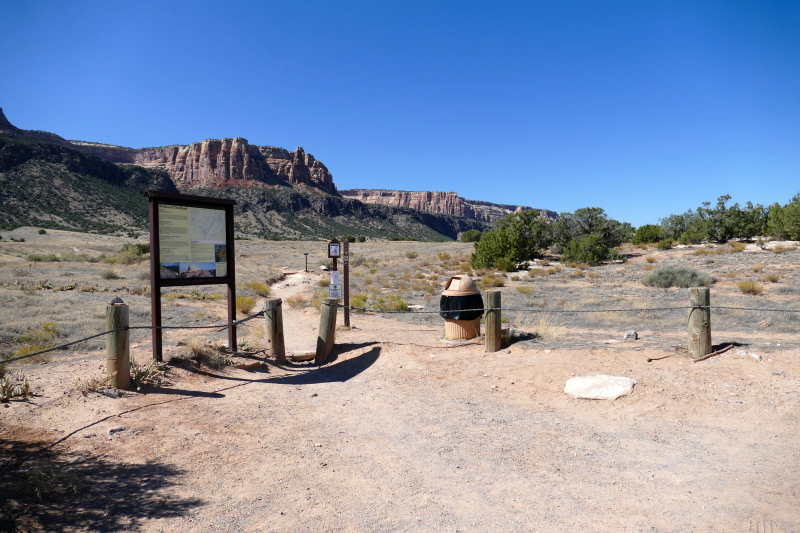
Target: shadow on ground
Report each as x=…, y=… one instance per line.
x=42, y=491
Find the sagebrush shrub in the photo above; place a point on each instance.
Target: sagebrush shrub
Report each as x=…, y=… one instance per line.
x=677, y=276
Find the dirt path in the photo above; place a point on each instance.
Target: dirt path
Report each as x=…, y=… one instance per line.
x=403, y=433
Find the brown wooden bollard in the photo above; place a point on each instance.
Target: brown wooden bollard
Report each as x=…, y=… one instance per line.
x=494, y=321
x=118, y=347
x=327, y=330
x=274, y=323
x=699, y=322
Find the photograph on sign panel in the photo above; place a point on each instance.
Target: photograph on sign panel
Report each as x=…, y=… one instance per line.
x=334, y=250
x=170, y=270
x=198, y=270
x=220, y=253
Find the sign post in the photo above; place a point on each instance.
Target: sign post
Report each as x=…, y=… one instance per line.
x=191, y=243
x=346, y=264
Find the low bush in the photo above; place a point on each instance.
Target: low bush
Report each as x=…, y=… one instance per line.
x=504, y=264
x=361, y=238
x=650, y=259
x=261, y=289
x=245, y=304
x=527, y=290
x=758, y=267
x=390, y=302
x=666, y=244
x=36, y=340
x=677, y=276
x=43, y=258
x=750, y=287
x=298, y=301
x=411, y=255
x=771, y=278
x=323, y=282
x=42, y=231
x=110, y=274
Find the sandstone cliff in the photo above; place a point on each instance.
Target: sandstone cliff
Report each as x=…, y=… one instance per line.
x=217, y=163
x=447, y=203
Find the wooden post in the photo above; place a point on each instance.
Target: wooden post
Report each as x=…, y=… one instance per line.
x=118, y=348
x=494, y=322
x=699, y=322
x=346, y=282
x=274, y=325
x=327, y=330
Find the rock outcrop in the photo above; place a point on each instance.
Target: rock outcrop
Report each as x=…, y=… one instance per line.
x=218, y=163
x=7, y=129
x=213, y=163
x=446, y=203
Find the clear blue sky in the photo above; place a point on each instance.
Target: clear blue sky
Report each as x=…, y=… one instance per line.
x=641, y=108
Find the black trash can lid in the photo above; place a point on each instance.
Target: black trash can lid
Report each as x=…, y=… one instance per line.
x=460, y=286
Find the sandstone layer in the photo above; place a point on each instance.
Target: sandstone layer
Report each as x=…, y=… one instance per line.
x=446, y=203
x=217, y=163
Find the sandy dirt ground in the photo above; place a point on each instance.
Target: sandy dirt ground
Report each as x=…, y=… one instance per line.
x=402, y=431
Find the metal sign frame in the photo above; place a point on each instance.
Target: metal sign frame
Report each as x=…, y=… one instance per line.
x=156, y=198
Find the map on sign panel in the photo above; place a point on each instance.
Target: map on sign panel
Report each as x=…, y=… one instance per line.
x=207, y=225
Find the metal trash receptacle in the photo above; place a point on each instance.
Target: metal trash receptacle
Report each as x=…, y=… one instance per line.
x=461, y=306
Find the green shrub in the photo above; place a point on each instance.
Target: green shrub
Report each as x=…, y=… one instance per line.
x=691, y=236
x=350, y=238
x=411, y=255
x=472, y=235
x=648, y=233
x=44, y=258
x=590, y=249
x=390, y=302
x=666, y=244
x=504, y=264
x=516, y=237
x=42, y=231
x=361, y=238
x=677, y=276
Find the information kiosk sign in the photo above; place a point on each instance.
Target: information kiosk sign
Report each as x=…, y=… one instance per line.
x=191, y=243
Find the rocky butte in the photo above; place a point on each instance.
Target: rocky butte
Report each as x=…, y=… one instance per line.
x=446, y=203
x=213, y=163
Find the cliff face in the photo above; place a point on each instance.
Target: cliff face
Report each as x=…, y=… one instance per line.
x=447, y=203
x=218, y=163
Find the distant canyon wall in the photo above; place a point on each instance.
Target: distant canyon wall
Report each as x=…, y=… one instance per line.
x=446, y=203
x=218, y=163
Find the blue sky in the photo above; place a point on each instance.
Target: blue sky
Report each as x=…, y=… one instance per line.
x=641, y=108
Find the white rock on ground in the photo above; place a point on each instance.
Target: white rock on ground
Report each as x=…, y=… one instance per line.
x=600, y=387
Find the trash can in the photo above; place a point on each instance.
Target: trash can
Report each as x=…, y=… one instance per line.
x=459, y=299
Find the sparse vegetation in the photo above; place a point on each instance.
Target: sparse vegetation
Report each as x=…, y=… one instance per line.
x=42, y=258
x=110, y=274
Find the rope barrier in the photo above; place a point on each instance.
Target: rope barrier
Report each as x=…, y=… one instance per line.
x=219, y=327
x=525, y=309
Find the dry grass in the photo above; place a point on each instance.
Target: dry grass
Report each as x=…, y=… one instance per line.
x=526, y=290
x=758, y=267
x=261, y=289
x=547, y=328
x=771, y=278
x=750, y=287
x=298, y=301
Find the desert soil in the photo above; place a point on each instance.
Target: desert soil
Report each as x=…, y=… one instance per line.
x=402, y=431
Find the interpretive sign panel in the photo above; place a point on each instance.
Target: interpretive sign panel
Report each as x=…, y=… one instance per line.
x=191, y=243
